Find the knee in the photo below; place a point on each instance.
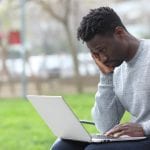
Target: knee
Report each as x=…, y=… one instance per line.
x=68, y=145
x=57, y=145
x=60, y=144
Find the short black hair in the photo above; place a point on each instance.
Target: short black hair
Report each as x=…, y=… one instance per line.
x=102, y=20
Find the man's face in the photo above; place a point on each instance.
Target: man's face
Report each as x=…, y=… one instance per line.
x=110, y=50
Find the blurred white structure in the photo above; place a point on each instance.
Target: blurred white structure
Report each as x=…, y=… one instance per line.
x=53, y=66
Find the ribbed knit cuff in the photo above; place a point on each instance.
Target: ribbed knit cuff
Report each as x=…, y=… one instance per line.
x=106, y=78
x=146, y=127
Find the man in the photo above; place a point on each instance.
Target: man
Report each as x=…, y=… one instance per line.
x=124, y=64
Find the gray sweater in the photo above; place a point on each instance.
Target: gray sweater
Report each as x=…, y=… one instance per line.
x=127, y=89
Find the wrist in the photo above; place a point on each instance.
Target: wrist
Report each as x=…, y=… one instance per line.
x=106, y=78
x=145, y=128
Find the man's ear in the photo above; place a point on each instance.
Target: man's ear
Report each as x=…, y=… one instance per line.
x=119, y=32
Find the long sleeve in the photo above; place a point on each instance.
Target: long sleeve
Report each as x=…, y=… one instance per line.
x=107, y=110
x=146, y=127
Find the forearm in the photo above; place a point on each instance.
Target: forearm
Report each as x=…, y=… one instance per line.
x=107, y=111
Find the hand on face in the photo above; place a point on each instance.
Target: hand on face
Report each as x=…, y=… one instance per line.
x=130, y=129
x=100, y=65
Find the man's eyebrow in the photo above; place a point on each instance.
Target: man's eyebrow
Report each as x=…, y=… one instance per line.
x=99, y=47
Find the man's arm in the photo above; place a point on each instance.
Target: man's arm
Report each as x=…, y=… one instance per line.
x=107, y=110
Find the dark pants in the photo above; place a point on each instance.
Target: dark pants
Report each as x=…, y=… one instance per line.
x=126, y=145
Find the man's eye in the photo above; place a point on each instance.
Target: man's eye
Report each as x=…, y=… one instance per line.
x=103, y=50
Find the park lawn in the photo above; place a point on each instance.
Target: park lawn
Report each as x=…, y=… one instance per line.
x=22, y=128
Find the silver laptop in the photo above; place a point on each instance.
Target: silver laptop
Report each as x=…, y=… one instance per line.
x=64, y=123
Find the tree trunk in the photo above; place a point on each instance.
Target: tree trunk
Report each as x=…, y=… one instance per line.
x=5, y=75
x=75, y=59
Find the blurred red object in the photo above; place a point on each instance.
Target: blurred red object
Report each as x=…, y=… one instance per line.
x=14, y=37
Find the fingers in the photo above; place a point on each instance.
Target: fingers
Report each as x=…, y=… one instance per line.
x=130, y=129
x=101, y=66
x=116, y=131
x=118, y=134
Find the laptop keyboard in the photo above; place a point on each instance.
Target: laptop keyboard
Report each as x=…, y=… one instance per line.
x=97, y=136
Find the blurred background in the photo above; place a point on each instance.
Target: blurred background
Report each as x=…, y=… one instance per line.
x=40, y=54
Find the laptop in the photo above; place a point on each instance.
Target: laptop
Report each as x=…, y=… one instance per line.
x=64, y=123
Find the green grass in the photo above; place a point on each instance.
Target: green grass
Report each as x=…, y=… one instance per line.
x=22, y=128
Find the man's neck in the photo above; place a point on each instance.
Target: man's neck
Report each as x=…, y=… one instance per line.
x=133, y=47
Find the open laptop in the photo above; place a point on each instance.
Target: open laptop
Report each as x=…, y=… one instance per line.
x=64, y=123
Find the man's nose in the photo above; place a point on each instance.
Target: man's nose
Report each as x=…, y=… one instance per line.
x=103, y=58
